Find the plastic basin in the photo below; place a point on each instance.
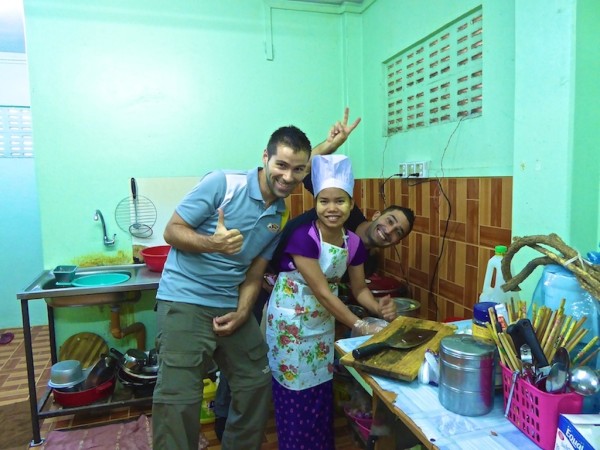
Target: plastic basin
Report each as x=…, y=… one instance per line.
x=155, y=257
x=100, y=279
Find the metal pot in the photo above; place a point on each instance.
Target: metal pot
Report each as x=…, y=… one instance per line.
x=141, y=386
x=131, y=364
x=467, y=366
x=85, y=397
x=135, y=363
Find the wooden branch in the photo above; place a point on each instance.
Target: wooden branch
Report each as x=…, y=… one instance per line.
x=588, y=275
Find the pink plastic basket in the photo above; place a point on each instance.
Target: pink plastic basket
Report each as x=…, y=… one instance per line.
x=363, y=430
x=536, y=413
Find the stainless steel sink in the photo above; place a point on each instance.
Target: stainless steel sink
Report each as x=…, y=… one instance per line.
x=57, y=295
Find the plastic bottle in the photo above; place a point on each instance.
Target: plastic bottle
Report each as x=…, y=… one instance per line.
x=481, y=318
x=492, y=291
x=207, y=410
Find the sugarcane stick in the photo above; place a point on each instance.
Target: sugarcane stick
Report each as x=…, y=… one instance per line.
x=501, y=351
x=563, y=331
x=555, y=340
x=508, y=344
x=538, y=319
x=579, y=323
x=534, y=313
x=548, y=329
x=543, y=324
x=585, y=349
x=589, y=357
x=569, y=332
x=575, y=340
x=547, y=348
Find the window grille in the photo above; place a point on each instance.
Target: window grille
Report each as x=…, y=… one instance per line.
x=16, y=139
x=438, y=79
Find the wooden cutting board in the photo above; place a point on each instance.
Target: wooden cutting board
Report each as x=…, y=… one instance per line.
x=83, y=347
x=399, y=364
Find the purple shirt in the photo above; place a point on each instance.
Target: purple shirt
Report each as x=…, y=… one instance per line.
x=304, y=241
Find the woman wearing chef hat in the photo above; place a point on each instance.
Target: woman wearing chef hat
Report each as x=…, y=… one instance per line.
x=304, y=306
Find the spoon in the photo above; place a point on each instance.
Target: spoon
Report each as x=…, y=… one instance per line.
x=558, y=377
x=584, y=380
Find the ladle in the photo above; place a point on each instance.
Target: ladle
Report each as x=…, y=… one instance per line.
x=558, y=377
x=584, y=380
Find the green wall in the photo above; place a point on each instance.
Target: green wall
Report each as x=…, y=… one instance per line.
x=585, y=218
x=481, y=146
x=149, y=88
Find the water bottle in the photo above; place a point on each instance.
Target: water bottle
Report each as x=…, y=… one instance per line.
x=492, y=290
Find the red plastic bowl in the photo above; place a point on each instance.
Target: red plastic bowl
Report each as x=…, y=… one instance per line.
x=155, y=257
x=87, y=397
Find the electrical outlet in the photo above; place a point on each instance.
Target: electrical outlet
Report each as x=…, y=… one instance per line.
x=402, y=170
x=422, y=169
x=410, y=169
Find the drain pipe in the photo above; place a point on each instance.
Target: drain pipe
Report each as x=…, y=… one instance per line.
x=119, y=333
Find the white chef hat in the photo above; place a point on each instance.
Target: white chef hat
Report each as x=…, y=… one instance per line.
x=332, y=171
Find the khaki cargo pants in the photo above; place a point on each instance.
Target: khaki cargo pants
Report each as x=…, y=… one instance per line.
x=186, y=347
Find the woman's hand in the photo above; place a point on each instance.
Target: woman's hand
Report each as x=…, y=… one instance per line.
x=387, y=308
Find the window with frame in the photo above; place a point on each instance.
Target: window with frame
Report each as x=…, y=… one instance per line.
x=16, y=140
x=438, y=79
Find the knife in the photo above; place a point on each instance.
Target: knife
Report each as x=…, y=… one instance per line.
x=399, y=341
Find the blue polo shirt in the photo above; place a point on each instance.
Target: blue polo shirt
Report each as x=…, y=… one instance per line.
x=213, y=279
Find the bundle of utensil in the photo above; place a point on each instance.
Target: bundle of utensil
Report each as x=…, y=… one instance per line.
x=539, y=352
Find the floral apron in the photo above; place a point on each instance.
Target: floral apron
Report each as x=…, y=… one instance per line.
x=300, y=331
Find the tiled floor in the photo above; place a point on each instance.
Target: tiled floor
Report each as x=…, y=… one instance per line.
x=13, y=388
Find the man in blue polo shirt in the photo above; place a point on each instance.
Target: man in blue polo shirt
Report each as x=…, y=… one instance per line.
x=223, y=234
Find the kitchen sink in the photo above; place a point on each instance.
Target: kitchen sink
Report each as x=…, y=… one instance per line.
x=100, y=285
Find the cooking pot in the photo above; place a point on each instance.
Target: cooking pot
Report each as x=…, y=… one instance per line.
x=86, y=396
x=137, y=362
x=141, y=386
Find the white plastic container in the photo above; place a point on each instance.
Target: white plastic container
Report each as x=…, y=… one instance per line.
x=492, y=290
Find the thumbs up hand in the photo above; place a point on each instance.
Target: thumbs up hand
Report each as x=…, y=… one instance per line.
x=227, y=241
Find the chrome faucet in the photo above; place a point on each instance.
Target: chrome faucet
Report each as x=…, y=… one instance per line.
x=108, y=242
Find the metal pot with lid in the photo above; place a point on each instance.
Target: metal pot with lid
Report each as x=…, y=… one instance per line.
x=467, y=369
x=137, y=363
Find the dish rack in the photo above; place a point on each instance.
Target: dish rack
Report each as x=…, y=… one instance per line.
x=535, y=412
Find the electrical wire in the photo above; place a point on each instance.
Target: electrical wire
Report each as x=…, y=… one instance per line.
x=431, y=298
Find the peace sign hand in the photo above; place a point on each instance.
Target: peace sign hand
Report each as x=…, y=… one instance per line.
x=227, y=241
x=341, y=130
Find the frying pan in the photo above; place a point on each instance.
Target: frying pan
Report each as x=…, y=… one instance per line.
x=104, y=370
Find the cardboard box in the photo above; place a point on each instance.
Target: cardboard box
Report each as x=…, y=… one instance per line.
x=578, y=432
